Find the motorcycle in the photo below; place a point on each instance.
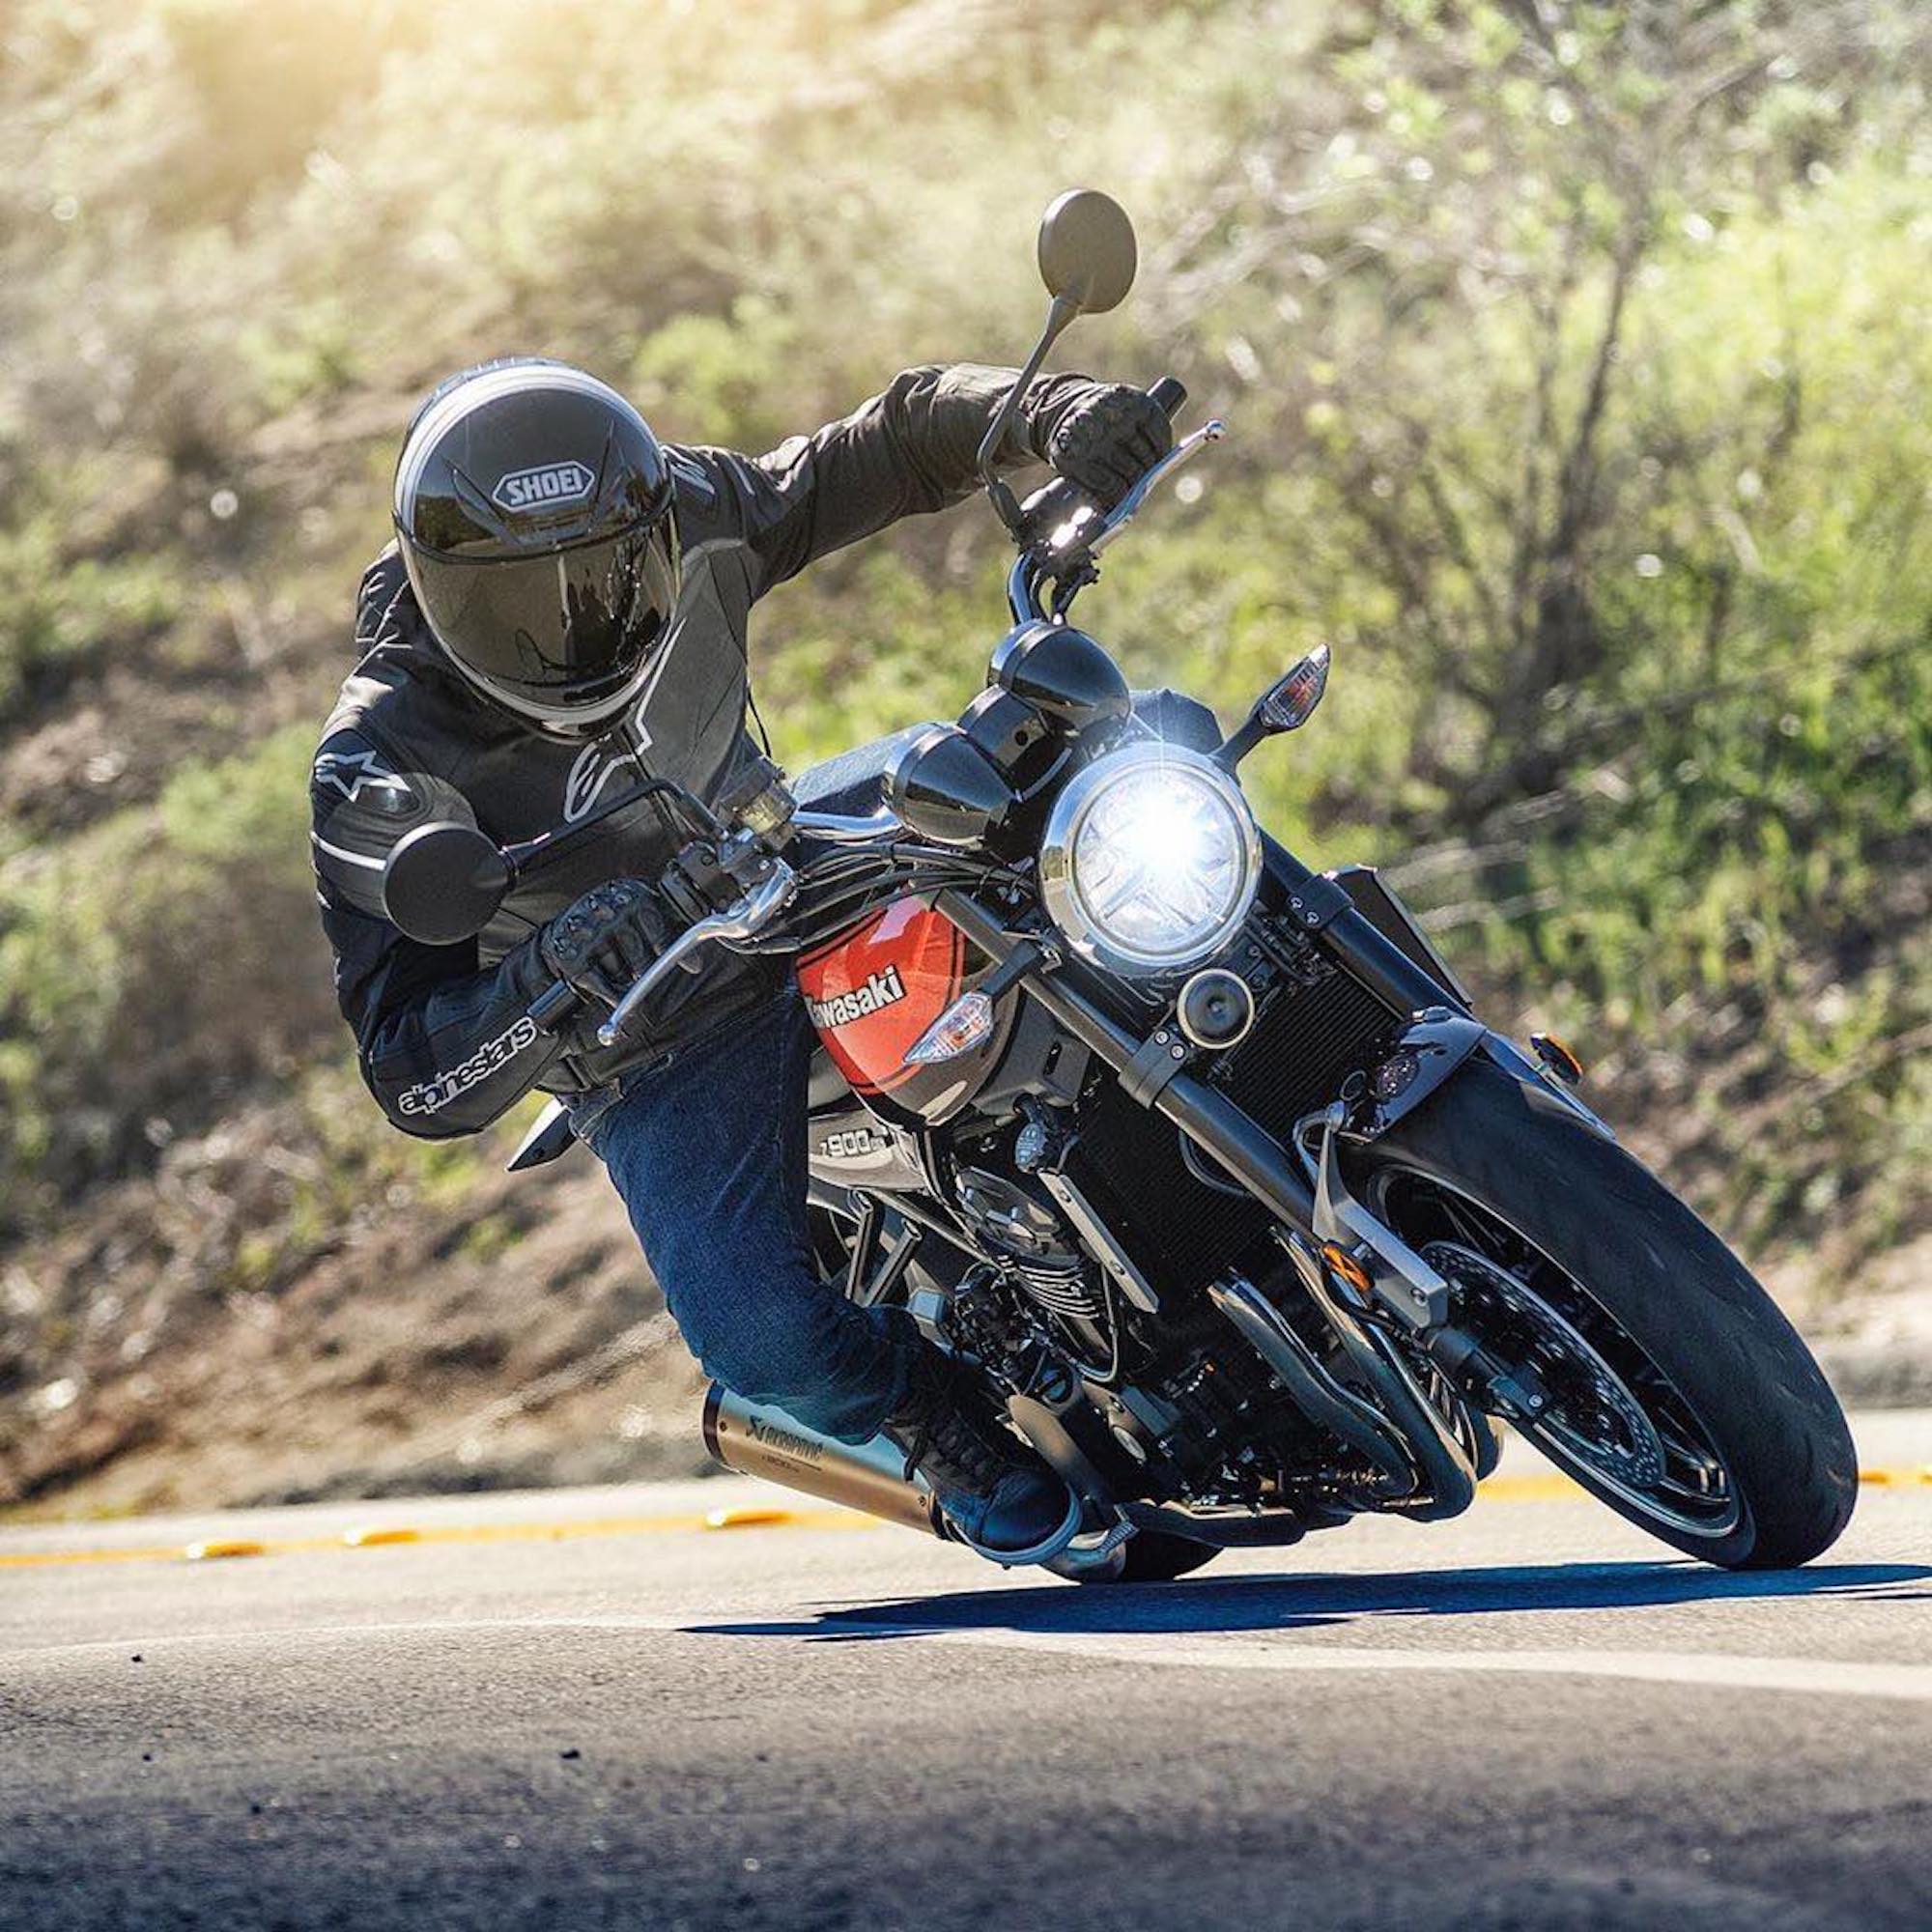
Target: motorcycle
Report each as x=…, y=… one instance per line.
x=1202, y=1159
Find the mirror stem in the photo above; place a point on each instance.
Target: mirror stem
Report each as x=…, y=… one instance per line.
x=1249, y=733
x=1065, y=308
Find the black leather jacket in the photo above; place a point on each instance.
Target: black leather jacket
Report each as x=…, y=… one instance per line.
x=441, y=1031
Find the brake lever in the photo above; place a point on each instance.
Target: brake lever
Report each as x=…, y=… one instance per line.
x=1128, y=507
x=750, y=915
x=1066, y=554
x=1067, y=535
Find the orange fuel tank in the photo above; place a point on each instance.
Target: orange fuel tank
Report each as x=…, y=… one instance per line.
x=873, y=991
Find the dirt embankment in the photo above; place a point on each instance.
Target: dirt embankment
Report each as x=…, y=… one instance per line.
x=511, y=1338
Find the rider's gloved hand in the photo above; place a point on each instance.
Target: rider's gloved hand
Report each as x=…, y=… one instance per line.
x=1107, y=439
x=607, y=938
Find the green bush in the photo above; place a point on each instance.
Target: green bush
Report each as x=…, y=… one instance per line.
x=58, y=611
x=153, y=967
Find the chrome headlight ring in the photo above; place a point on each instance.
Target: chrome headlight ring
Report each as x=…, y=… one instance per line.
x=1151, y=860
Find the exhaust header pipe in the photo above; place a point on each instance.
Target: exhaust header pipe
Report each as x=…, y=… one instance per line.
x=869, y=1476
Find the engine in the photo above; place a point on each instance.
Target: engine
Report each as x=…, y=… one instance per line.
x=1041, y=1253
x=1178, y=1418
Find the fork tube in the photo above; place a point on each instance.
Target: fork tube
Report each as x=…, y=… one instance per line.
x=1378, y=963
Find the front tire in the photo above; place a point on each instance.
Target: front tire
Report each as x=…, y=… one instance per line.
x=1698, y=1338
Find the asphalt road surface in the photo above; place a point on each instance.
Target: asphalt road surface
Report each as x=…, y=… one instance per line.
x=589, y=1709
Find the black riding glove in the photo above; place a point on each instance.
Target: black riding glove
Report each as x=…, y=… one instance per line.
x=607, y=938
x=1107, y=439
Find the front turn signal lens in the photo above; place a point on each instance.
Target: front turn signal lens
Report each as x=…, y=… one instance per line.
x=967, y=1023
x=1289, y=701
x=1346, y=1268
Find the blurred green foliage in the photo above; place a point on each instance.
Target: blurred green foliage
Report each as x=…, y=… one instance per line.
x=1578, y=359
x=145, y=963
x=64, y=605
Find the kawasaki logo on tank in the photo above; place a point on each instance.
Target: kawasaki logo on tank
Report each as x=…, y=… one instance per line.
x=881, y=989
x=546, y=486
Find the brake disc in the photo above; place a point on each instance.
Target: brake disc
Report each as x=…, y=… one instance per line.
x=1567, y=1360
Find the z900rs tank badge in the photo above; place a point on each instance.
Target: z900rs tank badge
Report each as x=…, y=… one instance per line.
x=853, y=1143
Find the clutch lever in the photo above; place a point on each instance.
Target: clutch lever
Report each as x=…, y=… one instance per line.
x=750, y=915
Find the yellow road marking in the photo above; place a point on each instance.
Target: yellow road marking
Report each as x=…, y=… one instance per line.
x=1547, y=1486
x=564, y=1531
x=747, y=1519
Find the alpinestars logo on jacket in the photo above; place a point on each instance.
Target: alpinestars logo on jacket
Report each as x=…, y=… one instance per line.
x=432, y=1095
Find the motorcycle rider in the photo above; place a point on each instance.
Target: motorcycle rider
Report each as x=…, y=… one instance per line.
x=563, y=613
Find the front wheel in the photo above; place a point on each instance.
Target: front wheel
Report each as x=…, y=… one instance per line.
x=1677, y=1393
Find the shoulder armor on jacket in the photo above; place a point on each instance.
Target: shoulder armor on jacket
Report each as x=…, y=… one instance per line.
x=695, y=486
x=362, y=802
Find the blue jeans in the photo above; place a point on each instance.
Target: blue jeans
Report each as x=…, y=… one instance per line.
x=708, y=1152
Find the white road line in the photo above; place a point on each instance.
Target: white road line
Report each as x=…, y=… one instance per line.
x=1718, y=1669
x=1707, y=1669
x=271, y=1634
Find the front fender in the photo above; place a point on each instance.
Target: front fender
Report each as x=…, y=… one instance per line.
x=1426, y=1051
x=1536, y=1081
x=1436, y=1043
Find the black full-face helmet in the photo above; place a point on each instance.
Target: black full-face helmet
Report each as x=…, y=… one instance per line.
x=533, y=506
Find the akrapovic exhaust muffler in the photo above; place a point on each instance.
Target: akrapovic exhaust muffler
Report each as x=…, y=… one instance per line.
x=869, y=1476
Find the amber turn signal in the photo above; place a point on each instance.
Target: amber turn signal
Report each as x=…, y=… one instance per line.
x=1557, y=1055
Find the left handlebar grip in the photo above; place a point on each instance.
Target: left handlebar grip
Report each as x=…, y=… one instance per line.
x=560, y=1000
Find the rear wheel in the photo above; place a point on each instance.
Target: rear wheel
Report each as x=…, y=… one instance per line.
x=1676, y=1392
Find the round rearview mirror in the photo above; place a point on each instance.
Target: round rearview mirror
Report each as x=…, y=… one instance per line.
x=1087, y=252
x=442, y=883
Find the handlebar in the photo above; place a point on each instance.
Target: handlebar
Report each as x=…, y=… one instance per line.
x=1170, y=392
x=559, y=1002
x=1052, y=503
x=748, y=916
x=792, y=885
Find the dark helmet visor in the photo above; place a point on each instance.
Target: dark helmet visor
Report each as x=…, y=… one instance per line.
x=563, y=627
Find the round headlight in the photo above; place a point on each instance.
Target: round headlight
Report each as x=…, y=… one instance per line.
x=1151, y=860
